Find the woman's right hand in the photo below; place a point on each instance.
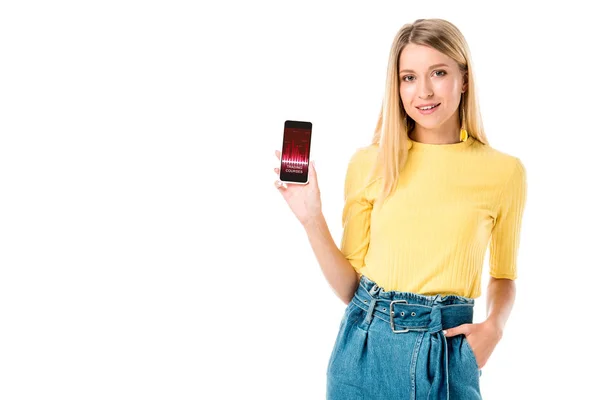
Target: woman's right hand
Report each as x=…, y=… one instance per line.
x=304, y=200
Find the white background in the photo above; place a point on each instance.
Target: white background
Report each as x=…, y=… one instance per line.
x=145, y=252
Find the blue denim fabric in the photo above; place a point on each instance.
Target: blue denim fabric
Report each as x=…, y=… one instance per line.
x=404, y=355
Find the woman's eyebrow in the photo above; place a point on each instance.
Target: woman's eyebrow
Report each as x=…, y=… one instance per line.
x=432, y=67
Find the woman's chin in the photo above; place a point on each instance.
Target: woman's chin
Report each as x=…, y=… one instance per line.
x=427, y=125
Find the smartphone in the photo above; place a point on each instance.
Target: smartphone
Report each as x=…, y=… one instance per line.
x=295, y=152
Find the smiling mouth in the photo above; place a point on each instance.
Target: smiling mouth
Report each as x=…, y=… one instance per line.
x=429, y=107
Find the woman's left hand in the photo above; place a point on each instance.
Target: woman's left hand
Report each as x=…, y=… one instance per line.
x=482, y=337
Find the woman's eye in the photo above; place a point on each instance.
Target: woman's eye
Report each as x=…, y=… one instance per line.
x=438, y=72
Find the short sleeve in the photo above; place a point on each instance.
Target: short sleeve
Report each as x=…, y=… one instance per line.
x=356, y=215
x=507, y=227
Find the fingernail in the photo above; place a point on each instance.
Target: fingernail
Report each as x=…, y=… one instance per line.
x=444, y=332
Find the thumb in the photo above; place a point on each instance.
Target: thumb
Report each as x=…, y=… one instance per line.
x=457, y=330
x=311, y=171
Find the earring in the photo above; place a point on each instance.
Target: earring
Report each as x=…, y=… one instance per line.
x=463, y=132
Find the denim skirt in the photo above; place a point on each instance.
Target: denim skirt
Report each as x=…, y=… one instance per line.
x=390, y=345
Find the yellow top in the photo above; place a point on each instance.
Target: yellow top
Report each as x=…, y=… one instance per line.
x=432, y=234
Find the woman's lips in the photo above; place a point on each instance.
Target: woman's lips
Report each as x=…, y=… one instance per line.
x=430, y=111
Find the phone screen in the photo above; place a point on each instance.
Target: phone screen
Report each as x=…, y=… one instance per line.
x=295, y=152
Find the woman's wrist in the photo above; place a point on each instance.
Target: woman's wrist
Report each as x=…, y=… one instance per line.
x=313, y=221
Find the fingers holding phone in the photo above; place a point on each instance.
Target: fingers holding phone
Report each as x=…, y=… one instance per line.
x=278, y=183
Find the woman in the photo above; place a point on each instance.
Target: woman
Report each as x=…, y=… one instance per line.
x=422, y=202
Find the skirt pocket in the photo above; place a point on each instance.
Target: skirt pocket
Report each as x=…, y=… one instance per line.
x=348, y=340
x=471, y=353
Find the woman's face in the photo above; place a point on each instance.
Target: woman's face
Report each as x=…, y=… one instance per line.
x=428, y=77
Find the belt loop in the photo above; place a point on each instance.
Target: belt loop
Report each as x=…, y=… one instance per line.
x=373, y=292
x=370, y=312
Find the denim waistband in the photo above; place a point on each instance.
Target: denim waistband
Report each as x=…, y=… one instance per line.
x=412, y=311
x=415, y=298
x=407, y=311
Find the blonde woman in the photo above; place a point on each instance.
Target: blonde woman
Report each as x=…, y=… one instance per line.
x=422, y=203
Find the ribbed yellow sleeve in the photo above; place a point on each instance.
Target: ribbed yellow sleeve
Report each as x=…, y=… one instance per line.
x=506, y=231
x=356, y=215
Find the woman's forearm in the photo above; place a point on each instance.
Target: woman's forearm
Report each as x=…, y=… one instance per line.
x=338, y=271
x=500, y=299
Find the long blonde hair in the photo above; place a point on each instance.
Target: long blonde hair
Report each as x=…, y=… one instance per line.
x=394, y=124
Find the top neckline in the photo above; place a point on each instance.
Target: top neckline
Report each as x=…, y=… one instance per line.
x=459, y=146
